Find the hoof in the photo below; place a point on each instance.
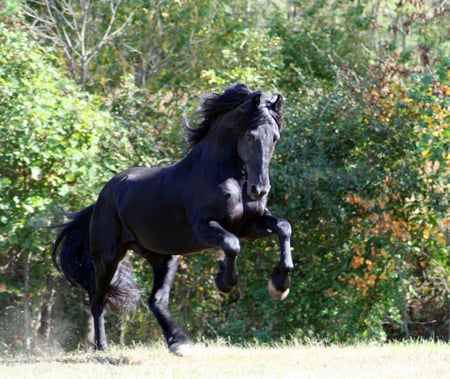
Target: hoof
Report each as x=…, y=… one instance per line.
x=216, y=287
x=101, y=347
x=181, y=349
x=223, y=289
x=275, y=294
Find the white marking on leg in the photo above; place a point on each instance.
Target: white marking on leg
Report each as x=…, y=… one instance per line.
x=182, y=350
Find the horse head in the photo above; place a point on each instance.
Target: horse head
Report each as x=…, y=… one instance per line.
x=256, y=140
x=247, y=121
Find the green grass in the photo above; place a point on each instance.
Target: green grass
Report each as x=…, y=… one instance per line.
x=215, y=361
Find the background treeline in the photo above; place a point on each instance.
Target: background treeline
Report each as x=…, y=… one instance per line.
x=89, y=88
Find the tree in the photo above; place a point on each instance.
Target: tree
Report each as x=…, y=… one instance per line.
x=81, y=29
x=52, y=156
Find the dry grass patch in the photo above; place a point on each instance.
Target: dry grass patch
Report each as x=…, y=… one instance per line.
x=412, y=360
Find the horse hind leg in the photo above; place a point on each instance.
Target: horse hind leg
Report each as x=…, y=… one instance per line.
x=106, y=262
x=103, y=279
x=98, y=300
x=97, y=310
x=164, y=270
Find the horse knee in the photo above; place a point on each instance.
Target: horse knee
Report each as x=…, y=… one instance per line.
x=231, y=246
x=285, y=228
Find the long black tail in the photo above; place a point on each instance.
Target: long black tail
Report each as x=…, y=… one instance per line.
x=77, y=266
x=74, y=259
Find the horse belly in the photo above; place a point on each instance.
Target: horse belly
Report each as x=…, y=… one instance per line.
x=166, y=237
x=164, y=232
x=160, y=228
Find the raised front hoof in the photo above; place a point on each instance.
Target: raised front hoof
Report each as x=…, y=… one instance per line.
x=221, y=287
x=275, y=293
x=182, y=349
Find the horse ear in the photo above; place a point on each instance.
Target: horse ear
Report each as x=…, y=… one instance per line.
x=277, y=105
x=253, y=102
x=256, y=100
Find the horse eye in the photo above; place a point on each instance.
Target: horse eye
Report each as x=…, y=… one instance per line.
x=251, y=137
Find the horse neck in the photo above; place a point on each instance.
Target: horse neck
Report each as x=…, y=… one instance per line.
x=219, y=152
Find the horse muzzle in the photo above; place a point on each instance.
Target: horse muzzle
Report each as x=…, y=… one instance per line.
x=257, y=191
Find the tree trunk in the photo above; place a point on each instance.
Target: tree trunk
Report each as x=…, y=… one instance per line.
x=27, y=302
x=45, y=311
x=123, y=327
x=87, y=338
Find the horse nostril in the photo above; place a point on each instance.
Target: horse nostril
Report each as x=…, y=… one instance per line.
x=256, y=193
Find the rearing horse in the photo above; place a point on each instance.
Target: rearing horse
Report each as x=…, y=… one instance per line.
x=214, y=197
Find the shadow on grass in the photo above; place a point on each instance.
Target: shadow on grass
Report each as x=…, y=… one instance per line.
x=104, y=358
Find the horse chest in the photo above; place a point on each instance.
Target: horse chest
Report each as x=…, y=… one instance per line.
x=238, y=208
x=231, y=198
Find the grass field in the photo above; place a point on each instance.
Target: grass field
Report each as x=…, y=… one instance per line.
x=215, y=361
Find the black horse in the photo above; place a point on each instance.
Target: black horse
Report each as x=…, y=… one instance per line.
x=213, y=197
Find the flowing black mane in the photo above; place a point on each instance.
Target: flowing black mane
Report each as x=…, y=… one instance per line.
x=214, y=105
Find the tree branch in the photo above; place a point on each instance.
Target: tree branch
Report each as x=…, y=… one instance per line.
x=66, y=24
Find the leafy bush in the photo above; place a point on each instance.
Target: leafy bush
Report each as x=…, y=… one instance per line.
x=53, y=155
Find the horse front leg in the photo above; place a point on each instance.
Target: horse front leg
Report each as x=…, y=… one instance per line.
x=227, y=278
x=164, y=270
x=280, y=280
x=213, y=234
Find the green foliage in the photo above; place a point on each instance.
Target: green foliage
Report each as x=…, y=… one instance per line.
x=318, y=38
x=10, y=7
x=361, y=233
x=44, y=120
x=52, y=156
x=252, y=59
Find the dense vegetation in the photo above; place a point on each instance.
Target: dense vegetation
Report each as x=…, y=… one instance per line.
x=88, y=89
